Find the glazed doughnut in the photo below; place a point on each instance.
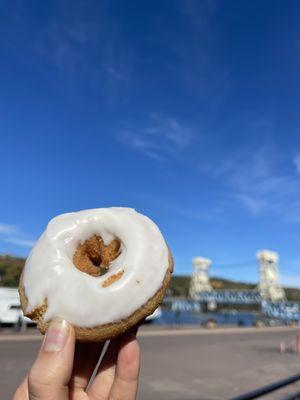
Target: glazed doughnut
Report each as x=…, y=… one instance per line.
x=103, y=270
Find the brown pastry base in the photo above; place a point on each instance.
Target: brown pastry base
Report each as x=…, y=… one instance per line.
x=107, y=331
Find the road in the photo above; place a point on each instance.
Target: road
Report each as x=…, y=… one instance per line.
x=184, y=364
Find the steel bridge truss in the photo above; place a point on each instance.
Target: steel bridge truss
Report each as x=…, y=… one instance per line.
x=281, y=310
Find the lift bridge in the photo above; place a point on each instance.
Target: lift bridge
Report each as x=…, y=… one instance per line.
x=269, y=294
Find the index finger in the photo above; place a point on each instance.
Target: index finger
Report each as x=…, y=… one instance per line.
x=127, y=370
x=22, y=391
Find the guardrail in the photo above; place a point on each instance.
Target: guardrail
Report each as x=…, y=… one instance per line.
x=284, y=310
x=259, y=392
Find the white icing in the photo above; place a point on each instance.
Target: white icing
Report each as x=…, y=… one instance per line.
x=79, y=298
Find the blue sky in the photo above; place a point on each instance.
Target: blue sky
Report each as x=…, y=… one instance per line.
x=187, y=111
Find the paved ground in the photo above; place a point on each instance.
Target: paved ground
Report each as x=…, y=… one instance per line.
x=184, y=365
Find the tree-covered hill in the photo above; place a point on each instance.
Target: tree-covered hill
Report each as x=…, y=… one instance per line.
x=10, y=270
x=11, y=267
x=179, y=286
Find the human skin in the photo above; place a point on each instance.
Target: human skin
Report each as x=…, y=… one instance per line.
x=63, y=368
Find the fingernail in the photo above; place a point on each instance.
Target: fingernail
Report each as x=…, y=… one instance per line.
x=56, y=335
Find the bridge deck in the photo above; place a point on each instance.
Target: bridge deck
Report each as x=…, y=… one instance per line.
x=282, y=310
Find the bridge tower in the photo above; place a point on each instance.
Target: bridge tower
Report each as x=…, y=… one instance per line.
x=200, y=278
x=269, y=285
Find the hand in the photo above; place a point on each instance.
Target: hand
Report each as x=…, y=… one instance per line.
x=62, y=371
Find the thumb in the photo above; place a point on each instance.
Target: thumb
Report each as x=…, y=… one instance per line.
x=49, y=376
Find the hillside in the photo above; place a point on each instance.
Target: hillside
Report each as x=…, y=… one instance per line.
x=11, y=267
x=10, y=270
x=179, y=286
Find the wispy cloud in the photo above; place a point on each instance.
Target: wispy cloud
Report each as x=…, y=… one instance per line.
x=254, y=205
x=20, y=242
x=13, y=234
x=158, y=137
x=93, y=48
x=297, y=162
x=7, y=229
x=262, y=182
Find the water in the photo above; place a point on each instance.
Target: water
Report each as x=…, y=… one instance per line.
x=221, y=318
